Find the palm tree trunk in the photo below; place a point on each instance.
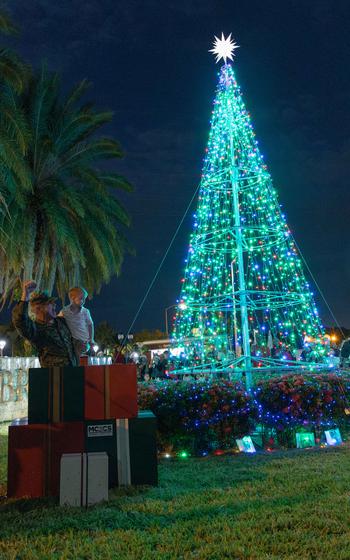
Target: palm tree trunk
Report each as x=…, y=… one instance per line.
x=29, y=249
x=40, y=263
x=53, y=271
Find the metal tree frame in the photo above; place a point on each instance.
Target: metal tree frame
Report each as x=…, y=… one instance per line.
x=242, y=269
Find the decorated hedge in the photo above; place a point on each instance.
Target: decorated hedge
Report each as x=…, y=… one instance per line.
x=199, y=415
x=208, y=415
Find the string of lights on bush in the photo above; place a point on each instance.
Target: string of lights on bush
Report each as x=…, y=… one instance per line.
x=205, y=409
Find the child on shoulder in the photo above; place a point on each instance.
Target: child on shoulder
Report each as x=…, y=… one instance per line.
x=79, y=320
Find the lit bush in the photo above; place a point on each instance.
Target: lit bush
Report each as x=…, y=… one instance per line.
x=201, y=415
x=208, y=415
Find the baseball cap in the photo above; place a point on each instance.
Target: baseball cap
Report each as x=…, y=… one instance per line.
x=41, y=297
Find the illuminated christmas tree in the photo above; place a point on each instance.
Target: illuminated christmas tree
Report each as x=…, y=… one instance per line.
x=245, y=300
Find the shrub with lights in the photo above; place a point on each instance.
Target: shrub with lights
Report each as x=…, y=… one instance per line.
x=200, y=416
x=293, y=403
x=205, y=416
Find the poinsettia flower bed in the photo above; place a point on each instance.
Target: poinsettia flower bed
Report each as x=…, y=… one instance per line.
x=209, y=415
x=198, y=415
x=293, y=400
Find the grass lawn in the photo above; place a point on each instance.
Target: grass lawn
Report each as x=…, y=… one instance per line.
x=290, y=505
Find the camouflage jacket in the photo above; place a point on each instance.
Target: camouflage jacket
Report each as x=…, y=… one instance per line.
x=53, y=342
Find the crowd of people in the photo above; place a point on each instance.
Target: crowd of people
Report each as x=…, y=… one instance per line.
x=166, y=365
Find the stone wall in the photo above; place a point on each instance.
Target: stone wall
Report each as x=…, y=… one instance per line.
x=14, y=386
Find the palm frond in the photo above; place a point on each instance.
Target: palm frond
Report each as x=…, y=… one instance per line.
x=116, y=181
x=12, y=70
x=7, y=27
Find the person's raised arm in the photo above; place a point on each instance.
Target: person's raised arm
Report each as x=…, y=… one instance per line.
x=20, y=318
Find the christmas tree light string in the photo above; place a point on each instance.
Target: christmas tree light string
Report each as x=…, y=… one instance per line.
x=240, y=230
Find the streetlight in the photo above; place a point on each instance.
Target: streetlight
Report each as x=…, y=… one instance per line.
x=181, y=306
x=124, y=341
x=2, y=346
x=95, y=348
x=122, y=338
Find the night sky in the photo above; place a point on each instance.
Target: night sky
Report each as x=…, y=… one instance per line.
x=148, y=61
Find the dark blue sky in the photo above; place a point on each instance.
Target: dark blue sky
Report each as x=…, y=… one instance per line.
x=149, y=62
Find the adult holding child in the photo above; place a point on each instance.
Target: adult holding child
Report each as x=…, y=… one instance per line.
x=48, y=333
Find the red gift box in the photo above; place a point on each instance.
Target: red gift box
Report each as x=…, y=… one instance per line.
x=82, y=393
x=34, y=455
x=110, y=391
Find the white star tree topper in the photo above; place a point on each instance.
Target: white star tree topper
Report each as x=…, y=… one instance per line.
x=224, y=48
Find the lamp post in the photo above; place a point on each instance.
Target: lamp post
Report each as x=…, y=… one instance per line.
x=181, y=305
x=122, y=336
x=2, y=346
x=124, y=343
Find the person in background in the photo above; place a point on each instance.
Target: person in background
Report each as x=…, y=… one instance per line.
x=79, y=320
x=118, y=356
x=345, y=353
x=154, y=370
x=49, y=334
x=163, y=364
x=143, y=368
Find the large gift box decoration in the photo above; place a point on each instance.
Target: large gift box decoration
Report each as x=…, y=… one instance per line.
x=34, y=457
x=74, y=394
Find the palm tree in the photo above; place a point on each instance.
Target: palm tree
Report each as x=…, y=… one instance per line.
x=67, y=229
